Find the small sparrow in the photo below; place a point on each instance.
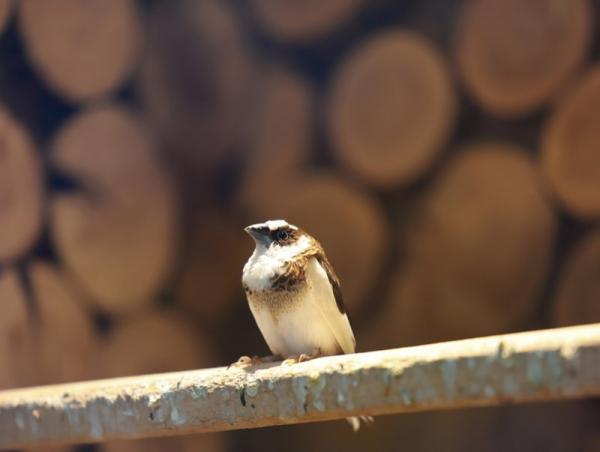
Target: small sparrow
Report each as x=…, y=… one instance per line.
x=295, y=296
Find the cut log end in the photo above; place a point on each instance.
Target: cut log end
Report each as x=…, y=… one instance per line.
x=281, y=144
x=65, y=344
x=21, y=190
x=212, y=266
x=570, y=143
x=15, y=341
x=391, y=108
x=303, y=21
x=122, y=227
x=478, y=251
x=197, y=96
x=160, y=341
x=578, y=294
x=82, y=50
x=214, y=442
x=514, y=55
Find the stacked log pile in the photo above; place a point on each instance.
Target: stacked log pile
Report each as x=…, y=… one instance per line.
x=446, y=154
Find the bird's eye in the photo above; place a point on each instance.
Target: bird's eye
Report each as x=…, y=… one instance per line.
x=282, y=235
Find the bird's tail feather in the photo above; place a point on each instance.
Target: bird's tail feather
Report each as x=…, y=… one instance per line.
x=355, y=421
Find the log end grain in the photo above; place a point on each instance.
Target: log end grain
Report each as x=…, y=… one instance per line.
x=21, y=189
x=578, y=293
x=196, y=80
x=82, y=50
x=212, y=265
x=283, y=136
x=204, y=442
x=122, y=227
x=514, y=55
x=65, y=343
x=570, y=143
x=391, y=108
x=160, y=341
x=15, y=341
x=302, y=21
x=478, y=250
x=283, y=121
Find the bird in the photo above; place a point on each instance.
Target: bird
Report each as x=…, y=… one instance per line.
x=295, y=297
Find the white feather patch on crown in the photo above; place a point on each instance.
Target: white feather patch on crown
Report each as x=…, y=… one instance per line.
x=273, y=225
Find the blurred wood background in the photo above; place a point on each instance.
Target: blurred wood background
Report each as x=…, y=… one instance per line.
x=446, y=154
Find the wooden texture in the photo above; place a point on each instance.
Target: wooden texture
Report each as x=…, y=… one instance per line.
x=513, y=55
x=196, y=80
x=15, y=341
x=302, y=21
x=545, y=365
x=82, y=49
x=577, y=297
x=478, y=251
x=65, y=346
x=282, y=138
x=210, y=280
x=191, y=443
x=570, y=143
x=391, y=108
x=348, y=222
x=6, y=9
x=21, y=189
x=117, y=235
x=159, y=341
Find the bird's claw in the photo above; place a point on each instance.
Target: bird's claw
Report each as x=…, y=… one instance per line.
x=245, y=361
x=298, y=359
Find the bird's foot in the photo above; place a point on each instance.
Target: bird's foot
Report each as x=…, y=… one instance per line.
x=245, y=361
x=301, y=358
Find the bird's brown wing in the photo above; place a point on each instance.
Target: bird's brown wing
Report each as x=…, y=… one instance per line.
x=333, y=280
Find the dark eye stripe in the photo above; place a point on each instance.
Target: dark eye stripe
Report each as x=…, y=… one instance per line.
x=276, y=235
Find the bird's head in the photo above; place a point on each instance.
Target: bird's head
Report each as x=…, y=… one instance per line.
x=275, y=233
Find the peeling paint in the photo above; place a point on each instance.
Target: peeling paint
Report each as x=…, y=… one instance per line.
x=509, y=386
x=19, y=421
x=340, y=398
x=387, y=377
x=406, y=397
x=300, y=388
x=96, y=428
x=159, y=414
x=176, y=417
x=252, y=388
x=508, y=362
x=198, y=392
x=316, y=385
x=448, y=369
x=535, y=371
x=554, y=366
x=153, y=398
x=344, y=384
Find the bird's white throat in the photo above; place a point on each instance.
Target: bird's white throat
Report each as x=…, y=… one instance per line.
x=268, y=262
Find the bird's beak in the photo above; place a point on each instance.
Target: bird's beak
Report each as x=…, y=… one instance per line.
x=256, y=232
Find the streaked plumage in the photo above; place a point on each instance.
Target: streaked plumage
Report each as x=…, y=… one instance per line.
x=295, y=295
